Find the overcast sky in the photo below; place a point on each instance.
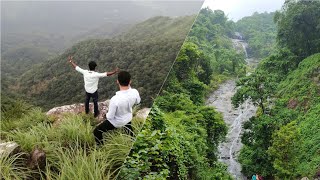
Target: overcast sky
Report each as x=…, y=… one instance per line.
x=237, y=9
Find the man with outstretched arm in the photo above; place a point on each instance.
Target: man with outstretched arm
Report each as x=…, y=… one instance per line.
x=120, y=108
x=91, y=80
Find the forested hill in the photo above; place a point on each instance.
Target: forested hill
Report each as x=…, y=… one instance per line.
x=159, y=28
x=148, y=60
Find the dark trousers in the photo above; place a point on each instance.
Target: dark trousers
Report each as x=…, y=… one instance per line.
x=107, y=126
x=94, y=97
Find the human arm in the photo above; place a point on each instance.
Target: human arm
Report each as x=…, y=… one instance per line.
x=70, y=59
x=113, y=72
x=108, y=73
x=74, y=65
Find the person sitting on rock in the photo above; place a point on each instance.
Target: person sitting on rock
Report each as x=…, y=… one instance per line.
x=91, y=79
x=120, y=108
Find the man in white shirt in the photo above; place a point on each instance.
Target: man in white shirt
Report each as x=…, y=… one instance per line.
x=91, y=80
x=120, y=108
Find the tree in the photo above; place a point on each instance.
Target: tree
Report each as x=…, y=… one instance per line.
x=298, y=27
x=283, y=150
x=258, y=87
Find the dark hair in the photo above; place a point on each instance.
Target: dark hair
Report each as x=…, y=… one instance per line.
x=92, y=65
x=124, y=78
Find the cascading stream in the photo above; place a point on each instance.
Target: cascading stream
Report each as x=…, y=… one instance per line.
x=234, y=118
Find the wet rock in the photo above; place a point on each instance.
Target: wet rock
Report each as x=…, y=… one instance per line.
x=9, y=148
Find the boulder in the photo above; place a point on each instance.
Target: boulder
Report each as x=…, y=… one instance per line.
x=143, y=113
x=9, y=148
x=79, y=108
x=37, y=159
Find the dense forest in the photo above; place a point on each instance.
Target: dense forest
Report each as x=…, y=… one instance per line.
x=282, y=140
x=148, y=59
x=180, y=137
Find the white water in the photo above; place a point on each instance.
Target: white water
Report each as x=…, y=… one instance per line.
x=234, y=118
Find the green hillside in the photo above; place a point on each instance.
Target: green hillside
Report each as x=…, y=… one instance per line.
x=148, y=59
x=285, y=142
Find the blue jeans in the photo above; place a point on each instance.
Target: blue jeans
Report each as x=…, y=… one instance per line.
x=94, y=97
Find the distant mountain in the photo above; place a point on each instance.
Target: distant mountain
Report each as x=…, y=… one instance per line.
x=158, y=28
x=16, y=61
x=106, y=31
x=147, y=56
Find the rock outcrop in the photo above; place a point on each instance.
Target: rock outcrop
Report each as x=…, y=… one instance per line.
x=78, y=109
x=58, y=112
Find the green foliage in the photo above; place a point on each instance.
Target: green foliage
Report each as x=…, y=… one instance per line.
x=211, y=33
x=17, y=61
x=258, y=87
x=180, y=149
x=283, y=150
x=259, y=31
x=11, y=167
x=284, y=143
x=11, y=108
x=298, y=27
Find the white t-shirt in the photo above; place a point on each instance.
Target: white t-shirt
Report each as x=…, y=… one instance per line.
x=91, y=79
x=120, y=107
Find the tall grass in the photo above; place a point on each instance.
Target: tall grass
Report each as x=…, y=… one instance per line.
x=70, y=148
x=12, y=167
x=26, y=120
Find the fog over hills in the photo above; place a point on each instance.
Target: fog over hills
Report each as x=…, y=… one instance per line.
x=53, y=24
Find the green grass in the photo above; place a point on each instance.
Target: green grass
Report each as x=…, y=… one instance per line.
x=12, y=167
x=70, y=148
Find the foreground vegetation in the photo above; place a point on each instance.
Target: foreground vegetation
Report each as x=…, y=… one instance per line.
x=69, y=146
x=282, y=141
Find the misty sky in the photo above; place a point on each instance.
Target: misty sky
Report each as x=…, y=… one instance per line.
x=66, y=16
x=236, y=9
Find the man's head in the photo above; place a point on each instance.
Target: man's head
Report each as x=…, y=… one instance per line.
x=92, y=65
x=124, y=78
